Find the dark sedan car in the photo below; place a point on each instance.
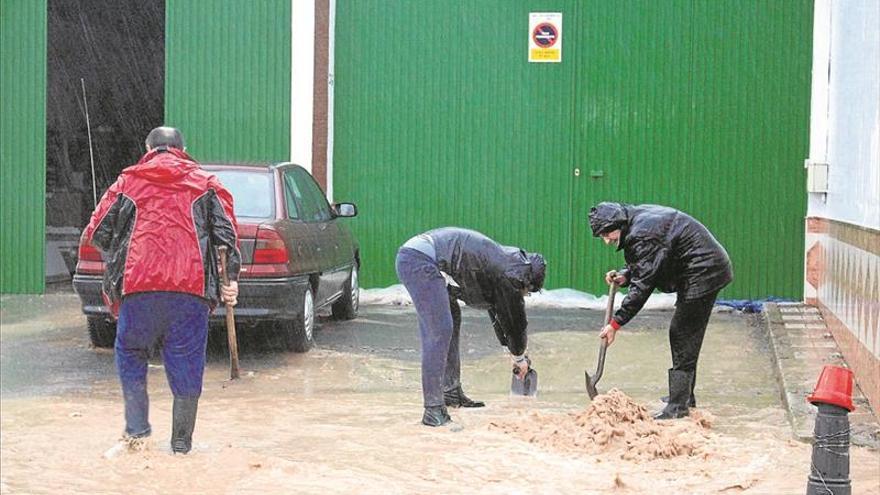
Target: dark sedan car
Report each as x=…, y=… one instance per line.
x=297, y=257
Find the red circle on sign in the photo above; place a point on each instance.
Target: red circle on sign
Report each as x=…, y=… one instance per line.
x=545, y=35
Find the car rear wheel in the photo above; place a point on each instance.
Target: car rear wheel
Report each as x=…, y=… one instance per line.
x=102, y=333
x=300, y=332
x=346, y=308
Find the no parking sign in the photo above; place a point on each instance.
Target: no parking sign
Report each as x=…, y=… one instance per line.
x=545, y=37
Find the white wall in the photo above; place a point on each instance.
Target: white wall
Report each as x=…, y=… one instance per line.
x=845, y=113
x=302, y=66
x=331, y=69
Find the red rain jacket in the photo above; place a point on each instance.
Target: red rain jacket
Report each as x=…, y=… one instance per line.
x=159, y=226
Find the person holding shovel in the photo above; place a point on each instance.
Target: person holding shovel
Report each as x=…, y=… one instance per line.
x=669, y=250
x=484, y=274
x=159, y=226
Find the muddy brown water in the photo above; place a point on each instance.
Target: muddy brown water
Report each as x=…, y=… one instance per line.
x=343, y=418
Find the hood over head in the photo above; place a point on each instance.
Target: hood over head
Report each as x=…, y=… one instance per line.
x=524, y=270
x=606, y=217
x=163, y=165
x=538, y=271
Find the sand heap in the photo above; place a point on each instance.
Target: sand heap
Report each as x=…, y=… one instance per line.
x=613, y=424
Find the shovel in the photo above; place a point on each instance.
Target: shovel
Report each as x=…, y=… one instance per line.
x=528, y=385
x=591, y=382
x=230, y=321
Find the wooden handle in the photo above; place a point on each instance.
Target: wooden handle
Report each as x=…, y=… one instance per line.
x=230, y=321
x=603, y=344
x=612, y=291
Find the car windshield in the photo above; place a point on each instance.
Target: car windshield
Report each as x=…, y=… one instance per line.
x=251, y=191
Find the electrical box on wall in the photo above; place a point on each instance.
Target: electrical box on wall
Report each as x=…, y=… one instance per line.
x=817, y=176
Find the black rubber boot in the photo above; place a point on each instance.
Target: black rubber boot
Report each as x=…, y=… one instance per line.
x=692, y=402
x=679, y=395
x=183, y=423
x=435, y=416
x=456, y=398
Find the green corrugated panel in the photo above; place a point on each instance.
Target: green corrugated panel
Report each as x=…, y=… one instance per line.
x=22, y=145
x=227, y=83
x=440, y=121
x=703, y=106
x=694, y=104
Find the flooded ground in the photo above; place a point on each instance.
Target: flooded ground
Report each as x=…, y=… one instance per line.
x=344, y=418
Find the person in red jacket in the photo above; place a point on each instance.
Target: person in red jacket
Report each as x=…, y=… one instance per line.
x=159, y=226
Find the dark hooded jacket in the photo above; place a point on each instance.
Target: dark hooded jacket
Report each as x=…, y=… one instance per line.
x=664, y=249
x=489, y=276
x=159, y=226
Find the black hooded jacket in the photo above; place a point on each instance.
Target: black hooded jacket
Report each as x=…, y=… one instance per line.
x=489, y=276
x=664, y=249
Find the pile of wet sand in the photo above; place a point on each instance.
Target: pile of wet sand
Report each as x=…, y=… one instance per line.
x=613, y=424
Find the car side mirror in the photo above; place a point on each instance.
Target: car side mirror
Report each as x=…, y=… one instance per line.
x=345, y=210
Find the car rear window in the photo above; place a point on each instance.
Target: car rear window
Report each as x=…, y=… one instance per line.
x=251, y=191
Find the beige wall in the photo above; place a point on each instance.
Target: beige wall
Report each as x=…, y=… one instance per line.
x=843, y=280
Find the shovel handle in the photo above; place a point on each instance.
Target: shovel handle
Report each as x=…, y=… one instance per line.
x=516, y=368
x=603, y=344
x=612, y=291
x=230, y=321
x=609, y=309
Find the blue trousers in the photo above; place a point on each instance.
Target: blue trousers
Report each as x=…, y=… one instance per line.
x=439, y=322
x=182, y=321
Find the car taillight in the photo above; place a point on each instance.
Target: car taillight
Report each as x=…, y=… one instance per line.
x=269, y=248
x=89, y=262
x=87, y=252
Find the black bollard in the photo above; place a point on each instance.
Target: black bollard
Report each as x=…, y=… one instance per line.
x=829, y=473
x=829, y=469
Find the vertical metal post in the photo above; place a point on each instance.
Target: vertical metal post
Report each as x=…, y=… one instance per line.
x=91, y=153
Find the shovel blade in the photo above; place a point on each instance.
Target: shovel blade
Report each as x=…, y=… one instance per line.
x=591, y=386
x=528, y=386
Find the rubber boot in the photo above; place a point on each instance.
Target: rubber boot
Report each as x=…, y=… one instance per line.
x=183, y=423
x=456, y=398
x=679, y=395
x=435, y=416
x=692, y=402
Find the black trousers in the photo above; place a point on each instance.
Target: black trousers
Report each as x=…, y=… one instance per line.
x=686, y=332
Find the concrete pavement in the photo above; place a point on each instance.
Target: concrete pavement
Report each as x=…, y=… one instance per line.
x=802, y=345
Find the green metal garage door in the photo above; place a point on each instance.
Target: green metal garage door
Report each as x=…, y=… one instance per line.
x=22, y=146
x=440, y=120
x=227, y=78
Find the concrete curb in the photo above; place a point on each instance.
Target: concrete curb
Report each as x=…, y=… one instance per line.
x=802, y=346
